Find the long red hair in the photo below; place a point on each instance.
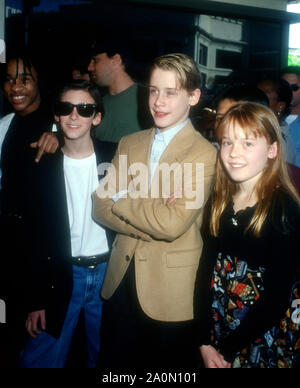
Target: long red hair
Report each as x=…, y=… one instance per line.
x=259, y=121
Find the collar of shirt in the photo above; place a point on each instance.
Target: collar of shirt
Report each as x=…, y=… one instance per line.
x=160, y=143
x=168, y=135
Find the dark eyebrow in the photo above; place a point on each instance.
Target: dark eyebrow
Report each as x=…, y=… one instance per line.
x=20, y=75
x=155, y=87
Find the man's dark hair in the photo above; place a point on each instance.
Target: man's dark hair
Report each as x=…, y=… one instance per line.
x=248, y=93
x=291, y=70
x=88, y=87
x=81, y=64
x=22, y=57
x=285, y=94
x=112, y=47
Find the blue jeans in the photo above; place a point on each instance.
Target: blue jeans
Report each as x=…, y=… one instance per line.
x=45, y=351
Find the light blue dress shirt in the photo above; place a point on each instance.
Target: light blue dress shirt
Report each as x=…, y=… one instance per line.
x=160, y=143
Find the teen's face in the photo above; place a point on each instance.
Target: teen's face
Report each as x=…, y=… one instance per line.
x=21, y=88
x=245, y=158
x=74, y=126
x=168, y=104
x=222, y=109
x=101, y=70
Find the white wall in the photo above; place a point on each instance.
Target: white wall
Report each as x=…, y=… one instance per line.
x=280, y=5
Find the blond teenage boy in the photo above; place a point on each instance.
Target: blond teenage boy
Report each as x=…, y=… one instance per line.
x=149, y=285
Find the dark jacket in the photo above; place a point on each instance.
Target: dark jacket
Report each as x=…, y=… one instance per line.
x=51, y=277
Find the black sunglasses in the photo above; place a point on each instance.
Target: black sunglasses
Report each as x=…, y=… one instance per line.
x=64, y=108
x=295, y=87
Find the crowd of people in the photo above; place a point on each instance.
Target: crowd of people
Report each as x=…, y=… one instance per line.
x=177, y=245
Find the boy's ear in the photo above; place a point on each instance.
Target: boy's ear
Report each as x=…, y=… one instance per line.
x=56, y=118
x=97, y=119
x=195, y=97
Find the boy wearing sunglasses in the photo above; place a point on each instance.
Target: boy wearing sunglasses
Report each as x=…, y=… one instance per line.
x=69, y=250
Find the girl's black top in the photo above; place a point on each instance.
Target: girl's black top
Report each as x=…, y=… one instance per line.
x=244, y=283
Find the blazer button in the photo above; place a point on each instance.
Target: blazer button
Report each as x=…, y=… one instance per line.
x=122, y=218
x=127, y=258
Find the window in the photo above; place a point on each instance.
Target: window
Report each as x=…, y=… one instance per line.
x=228, y=60
x=203, y=55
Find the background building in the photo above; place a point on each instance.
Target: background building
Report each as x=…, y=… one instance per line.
x=231, y=40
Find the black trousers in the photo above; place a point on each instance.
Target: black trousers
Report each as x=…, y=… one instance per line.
x=131, y=341
x=13, y=284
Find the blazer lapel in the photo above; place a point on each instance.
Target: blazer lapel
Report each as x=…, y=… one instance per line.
x=140, y=151
x=176, y=150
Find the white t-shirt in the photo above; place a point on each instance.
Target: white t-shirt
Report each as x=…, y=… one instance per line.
x=81, y=179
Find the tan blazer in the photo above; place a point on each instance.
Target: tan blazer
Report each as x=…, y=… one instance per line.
x=164, y=240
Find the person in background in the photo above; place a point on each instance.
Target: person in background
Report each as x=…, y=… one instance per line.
x=243, y=299
x=232, y=95
x=30, y=120
x=280, y=96
x=125, y=105
x=292, y=75
x=80, y=70
x=69, y=251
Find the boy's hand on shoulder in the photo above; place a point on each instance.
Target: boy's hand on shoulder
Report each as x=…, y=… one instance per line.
x=33, y=320
x=48, y=143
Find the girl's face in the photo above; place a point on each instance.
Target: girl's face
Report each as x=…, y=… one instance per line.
x=73, y=125
x=245, y=158
x=169, y=104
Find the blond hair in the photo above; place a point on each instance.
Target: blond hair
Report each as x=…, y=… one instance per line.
x=183, y=66
x=260, y=121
